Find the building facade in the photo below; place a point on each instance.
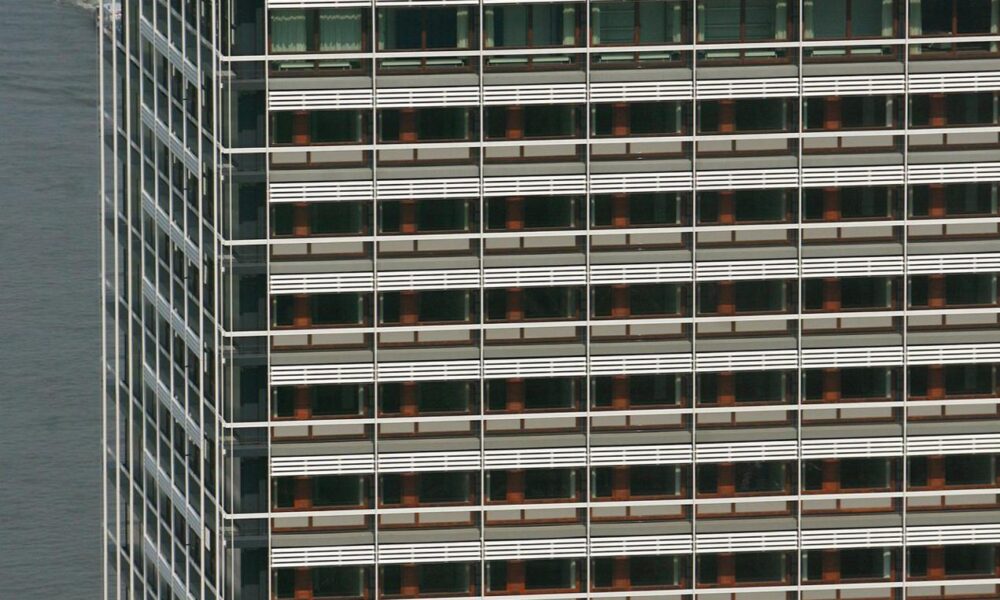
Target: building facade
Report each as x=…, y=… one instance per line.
x=602, y=299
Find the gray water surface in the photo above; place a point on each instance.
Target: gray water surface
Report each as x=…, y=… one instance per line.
x=50, y=478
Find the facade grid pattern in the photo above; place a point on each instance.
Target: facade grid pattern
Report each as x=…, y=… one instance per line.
x=603, y=299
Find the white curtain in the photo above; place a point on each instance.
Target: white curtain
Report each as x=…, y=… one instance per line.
x=339, y=30
x=568, y=24
x=462, y=27
x=386, y=30
x=288, y=31
x=916, y=28
x=887, y=18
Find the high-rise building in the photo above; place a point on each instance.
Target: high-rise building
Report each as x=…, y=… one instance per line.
x=604, y=299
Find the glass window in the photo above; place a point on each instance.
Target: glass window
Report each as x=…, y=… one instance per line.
x=533, y=25
x=331, y=126
x=865, y=382
x=550, y=484
x=753, y=477
x=284, y=583
x=643, y=390
x=760, y=114
x=916, y=561
x=496, y=485
x=760, y=386
x=759, y=566
x=760, y=296
x=864, y=563
x=317, y=30
x=336, y=217
x=708, y=479
x=445, y=578
x=443, y=215
x=338, y=399
x=423, y=28
x=391, y=488
x=441, y=306
x=439, y=124
x=707, y=568
x=744, y=115
x=969, y=560
x=650, y=571
x=812, y=475
x=337, y=309
x=865, y=473
x=973, y=469
x=864, y=112
x=654, y=389
x=836, y=19
x=337, y=490
x=602, y=480
x=496, y=576
x=289, y=30
x=653, y=480
x=542, y=212
x=284, y=492
x=971, y=108
x=917, y=470
x=441, y=488
x=640, y=209
x=547, y=394
x=642, y=118
x=742, y=20
x=391, y=579
x=970, y=289
x=865, y=292
x=949, y=17
x=550, y=574
x=541, y=121
x=551, y=303
x=961, y=380
x=635, y=23
x=445, y=396
x=337, y=582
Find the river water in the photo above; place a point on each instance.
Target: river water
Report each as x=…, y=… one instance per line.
x=50, y=477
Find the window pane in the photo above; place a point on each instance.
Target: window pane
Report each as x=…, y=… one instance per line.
x=288, y=30
x=339, y=30
x=721, y=20
x=971, y=469
x=760, y=477
x=864, y=473
x=442, y=124
x=549, y=574
x=868, y=18
x=759, y=566
x=443, y=306
x=864, y=563
x=827, y=19
x=653, y=480
x=542, y=484
x=334, y=400
x=647, y=571
x=969, y=560
x=337, y=490
x=549, y=121
x=759, y=296
x=614, y=22
x=438, y=488
x=444, y=578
